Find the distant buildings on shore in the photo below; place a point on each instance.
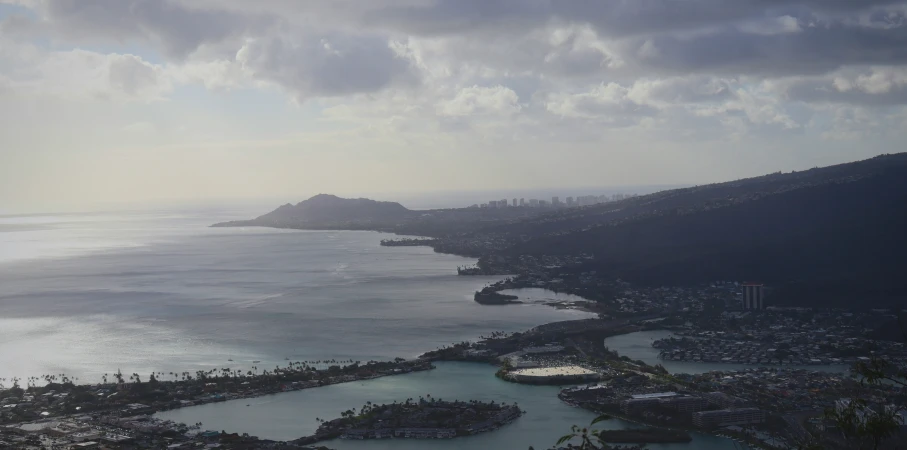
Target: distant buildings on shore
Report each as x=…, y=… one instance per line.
x=555, y=202
x=754, y=296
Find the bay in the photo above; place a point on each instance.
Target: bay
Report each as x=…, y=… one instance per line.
x=292, y=414
x=89, y=294
x=638, y=346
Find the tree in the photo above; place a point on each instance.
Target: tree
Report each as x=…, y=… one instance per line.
x=866, y=424
x=589, y=439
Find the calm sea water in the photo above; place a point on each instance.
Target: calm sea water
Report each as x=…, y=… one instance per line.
x=638, y=346
x=88, y=294
x=291, y=415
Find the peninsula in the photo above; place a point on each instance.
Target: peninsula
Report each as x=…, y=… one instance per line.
x=118, y=411
x=489, y=296
x=748, y=229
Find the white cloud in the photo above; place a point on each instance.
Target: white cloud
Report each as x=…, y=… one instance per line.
x=218, y=74
x=476, y=100
x=772, y=26
x=678, y=91
x=443, y=75
x=80, y=73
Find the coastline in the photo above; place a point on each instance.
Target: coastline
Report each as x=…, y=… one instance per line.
x=491, y=294
x=213, y=387
x=635, y=420
x=293, y=388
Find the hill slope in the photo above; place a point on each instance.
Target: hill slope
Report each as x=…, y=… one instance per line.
x=330, y=211
x=833, y=235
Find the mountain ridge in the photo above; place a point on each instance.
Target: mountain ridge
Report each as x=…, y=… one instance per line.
x=826, y=237
x=831, y=236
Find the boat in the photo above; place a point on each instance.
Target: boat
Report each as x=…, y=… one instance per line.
x=255, y=362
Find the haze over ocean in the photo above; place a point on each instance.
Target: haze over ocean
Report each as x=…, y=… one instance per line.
x=160, y=291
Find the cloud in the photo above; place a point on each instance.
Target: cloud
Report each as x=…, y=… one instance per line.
x=867, y=86
x=817, y=49
x=607, y=102
x=475, y=100
x=327, y=66
x=82, y=74
x=502, y=66
x=681, y=90
x=177, y=28
x=612, y=18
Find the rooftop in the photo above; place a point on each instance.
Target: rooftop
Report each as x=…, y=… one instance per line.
x=553, y=371
x=654, y=395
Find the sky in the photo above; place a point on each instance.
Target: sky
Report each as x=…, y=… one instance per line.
x=135, y=101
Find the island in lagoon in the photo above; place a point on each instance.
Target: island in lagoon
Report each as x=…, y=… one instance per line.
x=426, y=418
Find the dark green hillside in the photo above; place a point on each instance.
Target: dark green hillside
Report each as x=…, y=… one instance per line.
x=841, y=240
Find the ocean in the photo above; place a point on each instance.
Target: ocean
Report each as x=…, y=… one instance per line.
x=89, y=294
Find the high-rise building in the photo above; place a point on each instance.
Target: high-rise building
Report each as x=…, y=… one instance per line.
x=569, y=201
x=514, y=202
x=753, y=296
x=522, y=202
x=555, y=201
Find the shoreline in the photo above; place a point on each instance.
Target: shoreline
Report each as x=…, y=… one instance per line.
x=205, y=388
x=636, y=420
x=503, y=285
x=470, y=418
